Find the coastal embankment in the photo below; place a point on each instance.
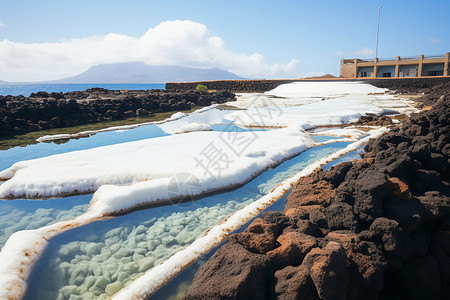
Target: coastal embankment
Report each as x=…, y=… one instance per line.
x=374, y=228
x=264, y=85
x=42, y=110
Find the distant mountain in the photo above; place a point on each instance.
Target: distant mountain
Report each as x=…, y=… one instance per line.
x=139, y=72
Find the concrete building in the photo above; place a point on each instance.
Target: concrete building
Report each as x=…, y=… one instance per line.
x=420, y=66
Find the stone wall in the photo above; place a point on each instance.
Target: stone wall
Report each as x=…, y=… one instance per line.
x=259, y=86
x=237, y=86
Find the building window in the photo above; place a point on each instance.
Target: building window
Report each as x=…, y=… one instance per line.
x=386, y=74
x=435, y=73
x=365, y=74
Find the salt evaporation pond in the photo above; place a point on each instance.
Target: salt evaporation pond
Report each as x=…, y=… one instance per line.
x=25, y=214
x=96, y=260
x=176, y=288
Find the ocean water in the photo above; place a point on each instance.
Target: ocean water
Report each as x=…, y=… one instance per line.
x=26, y=89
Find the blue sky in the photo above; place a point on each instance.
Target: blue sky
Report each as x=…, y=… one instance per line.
x=41, y=40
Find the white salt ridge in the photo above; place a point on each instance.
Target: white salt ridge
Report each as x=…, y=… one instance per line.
x=154, y=162
x=278, y=145
x=302, y=93
x=206, y=115
x=54, y=137
x=311, y=104
x=351, y=132
x=192, y=127
x=324, y=89
x=152, y=280
x=329, y=112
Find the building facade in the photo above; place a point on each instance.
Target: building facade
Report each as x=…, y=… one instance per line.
x=420, y=66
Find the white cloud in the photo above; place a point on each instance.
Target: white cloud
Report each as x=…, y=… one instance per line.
x=2, y=25
x=434, y=41
x=364, y=52
x=183, y=43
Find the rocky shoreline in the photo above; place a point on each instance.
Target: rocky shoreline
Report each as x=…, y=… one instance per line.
x=376, y=228
x=19, y=114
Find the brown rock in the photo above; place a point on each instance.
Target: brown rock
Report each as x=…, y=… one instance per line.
x=394, y=241
x=259, y=237
x=301, y=212
x=307, y=227
x=318, y=217
x=407, y=213
x=310, y=190
x=295, y=283
x=293, y=248
x=340, y=216
x=231, y=273
x=366, y=265
x=370, y=189
x=435, y=205
x=278, y=218
x=328, y=270
x=399, y=188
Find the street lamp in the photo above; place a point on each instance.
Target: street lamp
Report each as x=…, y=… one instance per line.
x=378, y=30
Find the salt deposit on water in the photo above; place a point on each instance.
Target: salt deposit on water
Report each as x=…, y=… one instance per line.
x=134, y=163
x=144, y=239
x=194, y=127
x=153, y=163
x=153, y=279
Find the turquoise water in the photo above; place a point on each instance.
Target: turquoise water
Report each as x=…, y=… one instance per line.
x=23, y=214
x=324, y=138
x=26, y=89
x=347, y=157
x=90, y=260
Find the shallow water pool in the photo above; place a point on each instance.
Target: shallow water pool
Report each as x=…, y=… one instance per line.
x=16, y=215
x=96, y=260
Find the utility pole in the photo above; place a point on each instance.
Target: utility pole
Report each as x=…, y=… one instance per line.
x=378, y=31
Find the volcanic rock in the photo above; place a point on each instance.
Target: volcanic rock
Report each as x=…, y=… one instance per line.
x=232, y=273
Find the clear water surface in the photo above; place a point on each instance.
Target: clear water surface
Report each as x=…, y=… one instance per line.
x=94, y=260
